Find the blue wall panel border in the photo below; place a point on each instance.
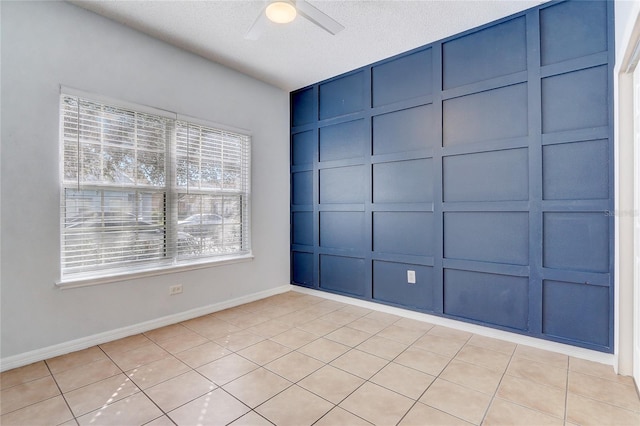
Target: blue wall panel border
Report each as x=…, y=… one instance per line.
x=484, y=162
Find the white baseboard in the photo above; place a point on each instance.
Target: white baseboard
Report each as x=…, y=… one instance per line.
x=26, y=358
x=472, y=328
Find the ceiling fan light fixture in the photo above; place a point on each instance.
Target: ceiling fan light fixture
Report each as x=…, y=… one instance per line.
x=281, y=12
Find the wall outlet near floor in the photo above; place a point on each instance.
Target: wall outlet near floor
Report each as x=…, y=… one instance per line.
x=411, y=276
x=175, y=289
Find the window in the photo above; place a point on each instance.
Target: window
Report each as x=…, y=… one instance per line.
x=143, y=189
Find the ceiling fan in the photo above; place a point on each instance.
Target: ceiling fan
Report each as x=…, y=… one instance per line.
x=285, y=11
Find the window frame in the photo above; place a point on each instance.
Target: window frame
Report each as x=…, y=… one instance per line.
x=170, y=262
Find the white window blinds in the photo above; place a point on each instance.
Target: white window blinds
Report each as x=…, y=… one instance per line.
x=145, y=191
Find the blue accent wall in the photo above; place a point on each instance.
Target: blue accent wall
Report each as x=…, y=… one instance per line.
x=483, y=162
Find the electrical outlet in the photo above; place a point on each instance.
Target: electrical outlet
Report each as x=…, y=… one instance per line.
x=411, y=277
x=175, y=289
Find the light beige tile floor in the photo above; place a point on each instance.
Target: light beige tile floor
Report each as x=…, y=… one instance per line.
x=296, y=359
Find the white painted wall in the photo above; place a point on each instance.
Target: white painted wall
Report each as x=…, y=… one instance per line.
x=626, y=14
x=45, y=44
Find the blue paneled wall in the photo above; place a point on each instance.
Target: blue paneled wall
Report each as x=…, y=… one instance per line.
x=483, y=163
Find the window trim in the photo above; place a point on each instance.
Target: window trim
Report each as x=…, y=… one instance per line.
x=130, y=272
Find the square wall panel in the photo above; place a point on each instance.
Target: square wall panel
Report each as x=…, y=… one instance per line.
x=486, y=116
x=343, y=141
x=343, y=274
x=403, y=233
x=403, y=78
x=575, y=100
x=334, y=187
x=404, y=131
x=342, y=96
x=487, y=176
x=576, y=312
x=302, y=108
x=390, y=284
x=497, y=237
x=342, y=230
x=302, y=188
x=576, y=241
x=303, y=147
x=572, y=29
x=403, y=181
x=493, y=52
x=302, y=268
x=576, y=171
x=495, y=299
x=302, y=225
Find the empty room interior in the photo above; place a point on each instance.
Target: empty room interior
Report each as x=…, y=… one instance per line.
x=323, y=212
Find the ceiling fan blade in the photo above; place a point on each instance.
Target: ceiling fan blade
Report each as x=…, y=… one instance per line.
x=318, y=17
x=258, y=26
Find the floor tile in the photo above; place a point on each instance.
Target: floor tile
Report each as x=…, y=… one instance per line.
x=294, y=407
x=179, y=390
x=75, y=359
x=425, y=361
x=52, y=411
x=505, y=413
x=423, y=415
x=324, y=350
x=186, y=340
x=440, y=345
x=264, y=352
x=136, y=409
x=450, y=333
x=251, y=419
x=412, y=324
x=492, y=344
x=459, y=401
x=401, y=334
x=621, y=395
x=588, y=412
x=348, y=336
x=319, y=327
x=599, y=370
x=340, y=417
x=256, y=387
x=547, y=399
x=472, y=376
x=403, y=380
x=25, y=374
x=294, y=338
x=368, y=325
x=357, y=310
x=100, y=394
x=156, y=372
x=381, y=347
x=140, y=356
x=294, y=366
x=239, y=340
x=538, y=372
x=269, y=329
x=125, y=344
x=226, y=369
x=203, y=354
x=360, y=363
x=340, y=317
x=228, y=314
x=160, y=421
x=248, y=320
x=211, y=328
x=493, y=360
x=331, y=383
x=214, y=408
x=74, y=378
x=166, y=333
x=550, y=358
x=377, y=405
x=383, y=317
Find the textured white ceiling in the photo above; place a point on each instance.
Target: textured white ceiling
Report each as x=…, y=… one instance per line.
x=291, y=56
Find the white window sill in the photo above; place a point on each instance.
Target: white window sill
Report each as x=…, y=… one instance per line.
x=75, y=282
